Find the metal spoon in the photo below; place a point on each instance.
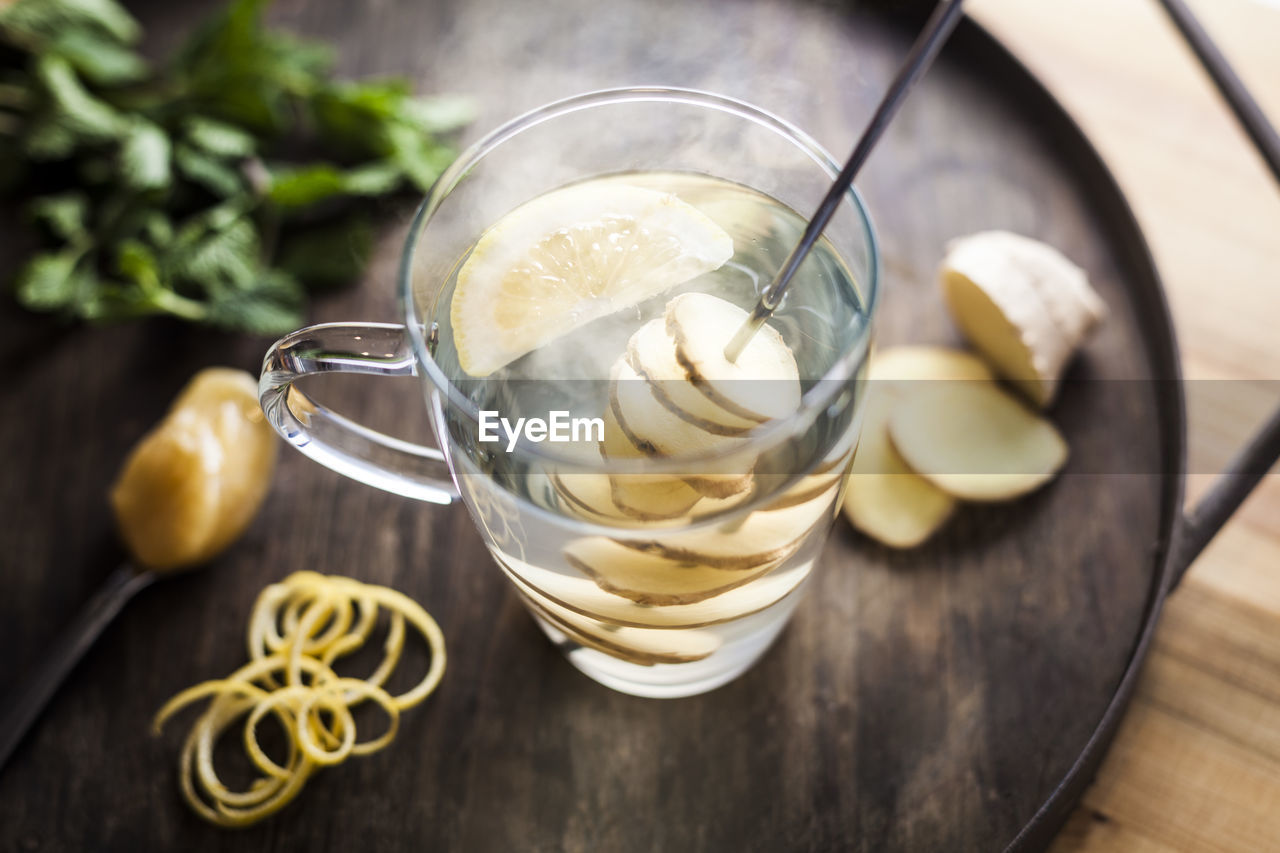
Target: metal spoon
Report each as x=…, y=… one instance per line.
x=247, y=447
x=936, y=30
x=25, y=703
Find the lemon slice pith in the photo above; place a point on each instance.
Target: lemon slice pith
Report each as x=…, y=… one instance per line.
x=572, y=256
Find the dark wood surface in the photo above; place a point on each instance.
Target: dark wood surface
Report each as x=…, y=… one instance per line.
x=921, y=701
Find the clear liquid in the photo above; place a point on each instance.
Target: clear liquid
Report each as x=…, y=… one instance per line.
x=667, y=606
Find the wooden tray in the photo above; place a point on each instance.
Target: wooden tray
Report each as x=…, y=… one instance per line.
x=931, y=700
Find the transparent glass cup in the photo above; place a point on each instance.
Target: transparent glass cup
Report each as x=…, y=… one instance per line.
x=662, y=605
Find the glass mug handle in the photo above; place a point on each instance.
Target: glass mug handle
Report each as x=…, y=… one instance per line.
x=338, y=443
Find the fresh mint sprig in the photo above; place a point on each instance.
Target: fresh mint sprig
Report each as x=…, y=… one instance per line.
x=170, y=191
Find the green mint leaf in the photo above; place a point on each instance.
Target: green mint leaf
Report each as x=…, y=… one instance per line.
x=255, y=316
x=50, y=281
x=50, y=17
x=421, y=157
x=109, y=302
x=305, y=185
x=244, y=102
x=237, y=70
x=157, y=228
x=373, y=179
x=218, y=138
x=378, y=97
x=73, y=107
x=365, y=116
x=350, y=113
x=108, y=15
x=225, y=258
x=101, y=60
x=65, y=215
x=300, y=64
x=144, y=157
x=270, y=305
x=439, y=114
x=118, y=214
x=138, y=264
x=210, y=220
x=327, y=256
x=234, y=33
x=147, y=147
x=208, y=170
x=240, y=40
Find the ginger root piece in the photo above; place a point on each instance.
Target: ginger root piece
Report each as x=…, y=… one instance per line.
x=1022, y=304
x=192, y=485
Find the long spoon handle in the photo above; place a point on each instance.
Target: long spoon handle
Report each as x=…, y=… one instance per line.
x=24, y=704
x=935, y=33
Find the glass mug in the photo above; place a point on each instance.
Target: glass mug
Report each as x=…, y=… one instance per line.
x=653, y=603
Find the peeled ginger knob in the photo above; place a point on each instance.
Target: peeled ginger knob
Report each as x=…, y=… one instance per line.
x=1022, y=304
x=191, y=486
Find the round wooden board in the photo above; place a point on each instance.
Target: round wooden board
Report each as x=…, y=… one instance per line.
x=928, y=700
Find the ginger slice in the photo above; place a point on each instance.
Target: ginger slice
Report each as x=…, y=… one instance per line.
x=650, y=578
x=646, y=497
x=651, y=352
x=584, y=596
x=886, y=499
x=761, y=385
x=641, y=646
x=655, y=431
x=895, y=367
x=976, y=442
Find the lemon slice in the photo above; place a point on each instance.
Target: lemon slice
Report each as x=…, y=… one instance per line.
x=572, y=256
